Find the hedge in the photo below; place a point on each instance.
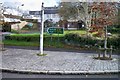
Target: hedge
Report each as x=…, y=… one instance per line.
x=23, y=38
x=114, y=29
x=76, y=39
x=72, y=39
x=30, y=38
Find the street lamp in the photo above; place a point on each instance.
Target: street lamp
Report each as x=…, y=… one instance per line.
x=19, y=8
x=18, y=16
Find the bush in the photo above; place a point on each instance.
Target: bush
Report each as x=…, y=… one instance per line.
x=79, y=40
x=115, y=42
x=114, y=29
x=71, y=39
x=22, y=38
x=14, y=31
x=30, y=38
x=75, y=39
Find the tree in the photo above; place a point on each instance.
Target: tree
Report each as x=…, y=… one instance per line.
x=74, y=11
x=118, y=16
x=1, y=14
x=103, y=15
x=48, y=23
x=67, y=10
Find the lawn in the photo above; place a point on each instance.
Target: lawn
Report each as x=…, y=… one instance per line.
x=81, y=32
x=20, y=43
x=32, y=39
x=47, y=43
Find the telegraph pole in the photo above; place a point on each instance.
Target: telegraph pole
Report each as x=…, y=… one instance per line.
x=42, y=29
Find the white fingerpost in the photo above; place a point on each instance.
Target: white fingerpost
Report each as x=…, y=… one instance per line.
x=42, y=29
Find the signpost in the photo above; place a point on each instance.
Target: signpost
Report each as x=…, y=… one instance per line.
x=35, y=12
x=55, y=30
x=42, y=30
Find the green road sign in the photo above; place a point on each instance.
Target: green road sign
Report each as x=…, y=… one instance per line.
x=55, y=30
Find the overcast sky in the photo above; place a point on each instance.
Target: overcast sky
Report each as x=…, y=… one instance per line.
x=31, y=4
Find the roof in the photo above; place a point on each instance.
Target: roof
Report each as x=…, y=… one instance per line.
x=12, y=16
x=11, y=20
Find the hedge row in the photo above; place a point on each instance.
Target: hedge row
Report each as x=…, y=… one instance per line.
x=23, y=38
x=32, y=38
x=72, y=38
x=114, y=42
x=76, y=39
x=114, y=30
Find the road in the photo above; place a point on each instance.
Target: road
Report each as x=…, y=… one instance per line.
x=54, y=49
x=97, y=77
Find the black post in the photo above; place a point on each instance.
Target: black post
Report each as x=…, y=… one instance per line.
x=110, y=55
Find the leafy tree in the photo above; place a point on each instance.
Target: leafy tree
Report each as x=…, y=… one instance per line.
x=103, y=15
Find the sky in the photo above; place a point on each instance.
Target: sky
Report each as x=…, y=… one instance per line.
x=31, y=4
x=34, y=5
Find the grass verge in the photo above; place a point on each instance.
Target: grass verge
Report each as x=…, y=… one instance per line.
x=20, y=43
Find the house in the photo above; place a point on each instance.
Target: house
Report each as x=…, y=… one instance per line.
x=49, y=13
x=10, y=20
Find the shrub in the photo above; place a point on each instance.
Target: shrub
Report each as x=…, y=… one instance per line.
x=114, y=29
x=14, y=31
x=115, y=42
x=79, y=40
x=22, y=38
x=75, y=39
x=29, y=38
x=71, y=39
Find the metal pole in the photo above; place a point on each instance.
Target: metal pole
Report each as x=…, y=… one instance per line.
x=42, y=30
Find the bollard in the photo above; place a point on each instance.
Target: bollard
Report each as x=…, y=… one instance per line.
x=110, y=55
x=99, y=52
x=1, y=46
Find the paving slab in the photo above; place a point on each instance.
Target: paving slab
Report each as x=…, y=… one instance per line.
x=56, y=62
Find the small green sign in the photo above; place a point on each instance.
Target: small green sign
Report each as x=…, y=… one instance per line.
x=55, y=30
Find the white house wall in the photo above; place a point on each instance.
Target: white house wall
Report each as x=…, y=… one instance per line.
x=54, y=17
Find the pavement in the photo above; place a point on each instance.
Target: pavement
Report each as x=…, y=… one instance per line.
x=56, y=62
